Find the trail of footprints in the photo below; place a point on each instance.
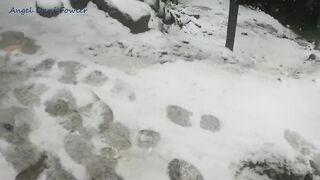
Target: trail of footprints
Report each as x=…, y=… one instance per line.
x=16, y=122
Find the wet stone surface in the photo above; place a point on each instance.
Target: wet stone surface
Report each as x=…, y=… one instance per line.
x=179, y=115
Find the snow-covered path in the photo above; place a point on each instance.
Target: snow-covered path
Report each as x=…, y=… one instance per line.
x=81, y=88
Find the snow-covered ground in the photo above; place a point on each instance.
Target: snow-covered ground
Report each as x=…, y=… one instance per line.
x=264, y=94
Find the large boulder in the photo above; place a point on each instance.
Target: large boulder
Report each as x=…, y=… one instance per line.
x=49, y=8
x=131, y=13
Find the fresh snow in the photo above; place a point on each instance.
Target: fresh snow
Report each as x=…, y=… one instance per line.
x=258, y=91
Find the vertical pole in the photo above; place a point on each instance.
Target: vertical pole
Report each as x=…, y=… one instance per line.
x=232, y=23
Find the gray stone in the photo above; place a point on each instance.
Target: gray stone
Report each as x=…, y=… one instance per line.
x=148, y=138
x=34, y=170
x=118, y=136
x=78, y=148
x=182, y=170
x=45, y=65
x=210, y=123
x=96, y=78
x=179, y=115
x=298, y=143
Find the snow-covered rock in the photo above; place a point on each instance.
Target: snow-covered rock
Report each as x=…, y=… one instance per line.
x=49, y=8
x=131, y=13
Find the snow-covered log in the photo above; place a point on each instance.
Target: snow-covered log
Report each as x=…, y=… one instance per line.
x=131, y=13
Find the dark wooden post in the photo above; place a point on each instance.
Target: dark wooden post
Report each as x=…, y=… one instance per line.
x=232, y=23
